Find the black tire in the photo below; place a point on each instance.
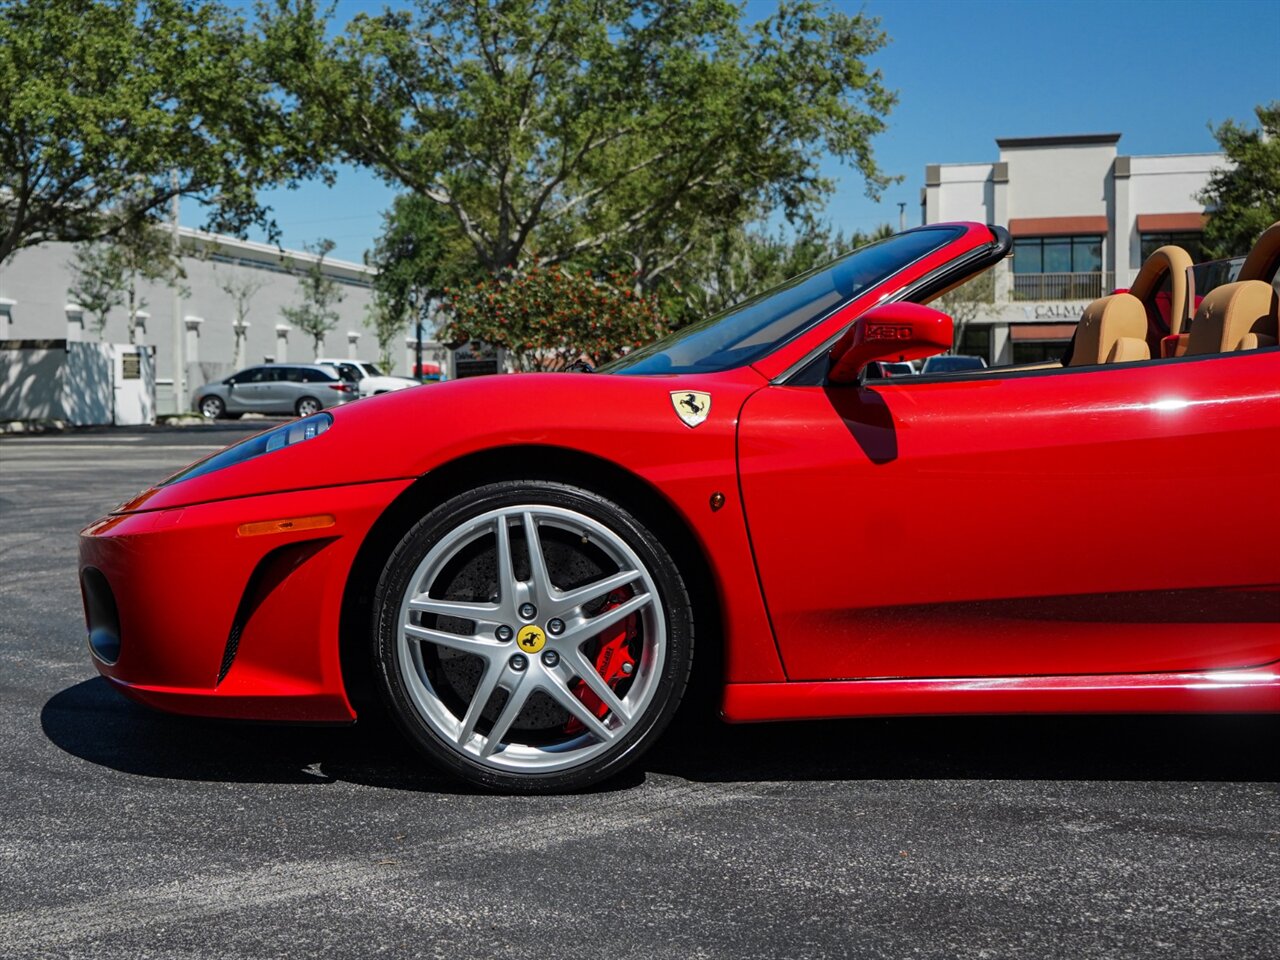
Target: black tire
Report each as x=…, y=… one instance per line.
x=671, y=616
x=212, y=408
x=306, y=406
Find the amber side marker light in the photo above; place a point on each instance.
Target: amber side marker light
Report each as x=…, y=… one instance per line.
x=263, y=527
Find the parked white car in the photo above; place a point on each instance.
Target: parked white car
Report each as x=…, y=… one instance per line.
x=369, y=380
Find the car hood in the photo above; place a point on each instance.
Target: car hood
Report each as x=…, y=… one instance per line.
x=630, y=420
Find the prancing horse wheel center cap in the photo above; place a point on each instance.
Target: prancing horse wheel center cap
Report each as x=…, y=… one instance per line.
x=531, y=639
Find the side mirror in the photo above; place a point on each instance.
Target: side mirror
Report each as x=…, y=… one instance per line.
x=229, y=382
x=891, y=332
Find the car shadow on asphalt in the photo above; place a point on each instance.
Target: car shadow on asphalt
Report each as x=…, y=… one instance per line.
x=95, y=723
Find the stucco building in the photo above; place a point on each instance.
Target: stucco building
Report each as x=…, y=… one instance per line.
x=35, y=304
x=1083, y=218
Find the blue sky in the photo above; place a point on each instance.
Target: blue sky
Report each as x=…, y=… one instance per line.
x=967, y=72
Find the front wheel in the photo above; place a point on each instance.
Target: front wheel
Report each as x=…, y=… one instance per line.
x=306, y=406
x=532, y=636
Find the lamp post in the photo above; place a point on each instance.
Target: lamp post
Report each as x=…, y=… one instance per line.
x=416, y=299
x=179, y=327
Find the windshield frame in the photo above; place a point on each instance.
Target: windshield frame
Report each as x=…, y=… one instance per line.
x=949, y=233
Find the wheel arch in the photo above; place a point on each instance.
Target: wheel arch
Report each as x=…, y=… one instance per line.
x=530, y=462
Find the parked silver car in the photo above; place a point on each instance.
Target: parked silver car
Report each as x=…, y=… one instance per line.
x=281, y=388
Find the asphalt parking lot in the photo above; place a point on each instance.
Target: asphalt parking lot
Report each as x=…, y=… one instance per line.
x=129, y=833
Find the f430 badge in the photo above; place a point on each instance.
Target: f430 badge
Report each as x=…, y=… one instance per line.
x=692, y=406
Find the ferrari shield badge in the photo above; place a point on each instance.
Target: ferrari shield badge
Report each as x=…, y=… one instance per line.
x=692, y=406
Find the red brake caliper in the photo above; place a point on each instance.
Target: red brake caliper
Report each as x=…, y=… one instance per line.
x=614, y=661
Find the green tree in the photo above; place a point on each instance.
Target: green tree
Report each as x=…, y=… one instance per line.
x=97, y=283
x=1245, y=196
x=240, y=291
x=107, y=273
x=386, y=325
x=110, y=108
x=564, y=131
x=316, y=314
x=144, y=252
x=966, y=303
x=419, y=253
x=549, y=318
x=741, y=263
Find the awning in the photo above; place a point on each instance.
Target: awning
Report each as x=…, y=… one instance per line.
x=1171, y=222
x=1041, y=331
x=1058, y=226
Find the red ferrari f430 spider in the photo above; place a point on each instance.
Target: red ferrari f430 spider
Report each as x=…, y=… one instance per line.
x=526, y=569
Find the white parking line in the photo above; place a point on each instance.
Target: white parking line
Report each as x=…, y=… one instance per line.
x=19, y=438
x=159, y=449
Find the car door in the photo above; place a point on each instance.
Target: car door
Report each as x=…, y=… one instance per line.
x=1114, y=519
x=283, y=389
x=244, y=390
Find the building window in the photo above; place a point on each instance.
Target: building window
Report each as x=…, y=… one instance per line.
x=1058, y=268
x=975, y=341
x=1057, y=255
x=1038, y=351
x=1190, y=242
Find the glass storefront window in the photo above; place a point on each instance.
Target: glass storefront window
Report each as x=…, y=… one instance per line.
x=1057, y=255
x=1028, y=256
x=1086, y=256
x=1038, y=351
x=1193, y=243
x=975, y=341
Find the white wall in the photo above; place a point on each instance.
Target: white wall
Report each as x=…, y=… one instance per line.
x=1169, y=184
x=31, y=380
x=1161, y=184
x=965, y=192
x=60, y=381
x=38, y=280
x=1058, y=181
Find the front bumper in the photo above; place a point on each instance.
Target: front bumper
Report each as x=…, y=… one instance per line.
x=222, y=612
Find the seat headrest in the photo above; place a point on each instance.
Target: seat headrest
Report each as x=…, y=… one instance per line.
x=1229, y=314
x=1174, y=262
x=1264, y=258
x=1103, y=323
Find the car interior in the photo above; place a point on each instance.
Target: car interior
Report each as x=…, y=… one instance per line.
x=1161, y=316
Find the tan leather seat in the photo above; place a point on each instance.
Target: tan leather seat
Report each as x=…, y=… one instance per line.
x=1122, y=327
x=1174, y=263
x=1263, y=260
x=1235, y=316
x=1244, y=315
x=1111, y=330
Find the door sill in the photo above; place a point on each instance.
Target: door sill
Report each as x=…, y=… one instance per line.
x=1252, y=690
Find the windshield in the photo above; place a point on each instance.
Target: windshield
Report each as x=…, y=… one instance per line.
x=750, y=330
x=372, y=370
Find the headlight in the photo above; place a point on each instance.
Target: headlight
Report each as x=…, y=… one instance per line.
x=263, y=443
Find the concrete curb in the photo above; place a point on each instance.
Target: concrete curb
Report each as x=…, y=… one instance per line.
x=33, y=426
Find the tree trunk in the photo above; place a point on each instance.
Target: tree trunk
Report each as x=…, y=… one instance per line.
x=133, y=313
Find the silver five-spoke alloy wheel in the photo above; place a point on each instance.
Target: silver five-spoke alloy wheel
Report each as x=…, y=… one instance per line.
x=532, y=645
x=549, y=657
